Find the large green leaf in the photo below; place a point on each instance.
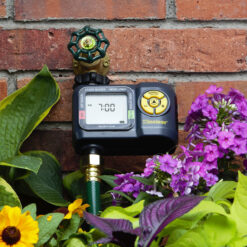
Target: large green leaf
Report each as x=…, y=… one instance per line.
x=23, y=161
x=70, y=228
x=128, y=213
x=32, y=209
x=8, y=195
x=47, y=183
x=47, y=226
x=190, y=220
x=222, y=190
x=239, y=206
x=219, y=229
x=192, y=238
x=216, y=231
x=22, y=111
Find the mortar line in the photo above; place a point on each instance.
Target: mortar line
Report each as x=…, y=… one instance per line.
x=177, y=76
x=169, y=23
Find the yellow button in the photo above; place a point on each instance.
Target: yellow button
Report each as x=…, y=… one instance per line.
x=145, y=106
x=156, y=94
x=162, y=107
x=153, y=102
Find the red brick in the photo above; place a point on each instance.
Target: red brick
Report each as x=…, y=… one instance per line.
x=187, y=92
x=3, y=9
x=138, y=50
x=3, y=88
x=211, y=9
x=62, y=111
x=61, y=147
x=86, y=9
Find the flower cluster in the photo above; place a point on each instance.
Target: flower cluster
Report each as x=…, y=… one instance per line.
x=182, y=173
x=219, y=121
x=217, y=125
x=127, y=184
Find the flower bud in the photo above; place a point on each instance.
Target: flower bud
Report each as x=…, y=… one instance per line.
x=72, y=242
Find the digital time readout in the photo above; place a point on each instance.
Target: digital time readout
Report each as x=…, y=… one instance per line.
x=106, y=108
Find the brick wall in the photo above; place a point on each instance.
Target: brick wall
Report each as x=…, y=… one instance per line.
x=189, y=44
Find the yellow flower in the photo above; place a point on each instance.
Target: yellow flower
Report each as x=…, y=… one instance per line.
x=16, y=229
x=76, y=207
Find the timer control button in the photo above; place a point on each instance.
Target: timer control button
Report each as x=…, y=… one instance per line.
x=145, y=106
x=154, y=102
x=162, y=107
x=156, y=94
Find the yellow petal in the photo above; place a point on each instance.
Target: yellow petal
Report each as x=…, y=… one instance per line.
x=68, y=215
x=74, y=205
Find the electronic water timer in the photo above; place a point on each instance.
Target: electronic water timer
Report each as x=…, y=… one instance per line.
x=117, y=119
x=125, y=119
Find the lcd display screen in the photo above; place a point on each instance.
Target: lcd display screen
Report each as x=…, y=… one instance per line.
x=106, y=108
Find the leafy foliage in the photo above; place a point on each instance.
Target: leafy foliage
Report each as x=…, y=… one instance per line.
x=152, y=220
x=20, y=113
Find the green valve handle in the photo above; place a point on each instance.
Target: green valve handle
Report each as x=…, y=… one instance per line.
x=88, y=44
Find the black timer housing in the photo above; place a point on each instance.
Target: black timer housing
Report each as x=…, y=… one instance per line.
x=125, y=119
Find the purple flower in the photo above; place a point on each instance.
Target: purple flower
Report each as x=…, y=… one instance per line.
x=210, y=179
x=149, y=169
x=242, y=108
x=127, y=184
x=200, y=102
x=239, y=128
x=210, y=112
x=225, y=139
x=168, y=164
x=211, y=152
x=214, y=89
x=209, y=166
x=211, y=131
x=239, y=146
x=236, y=96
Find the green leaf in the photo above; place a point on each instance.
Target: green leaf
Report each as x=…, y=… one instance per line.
x=71, y=228
x=191, y=239
x=128, y=213
x=47, y=226
x=74, y=184
x=32, y=210
x=219, y=230
x=109, y=179
x=222, y=190
x=8, y=195
x=190, y=220
x=238, y=242
x=22, y=111
x=24, y=162
x=239, y=206
x=146, y=197
x=146, y=181
x=216, y=231
x=122, y=194
x=52, y=243
x=47, y=184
